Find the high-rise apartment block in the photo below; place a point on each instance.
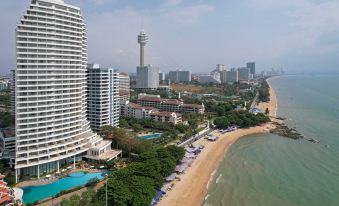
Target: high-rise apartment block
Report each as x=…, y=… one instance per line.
x=103, y=96
x=251, y=66
x=124, y=86
x=244, y=74
x=232, y=76
x=50, y=90
x=147, y=76
x=162, y=76
x=220, y=67
x=180, y=76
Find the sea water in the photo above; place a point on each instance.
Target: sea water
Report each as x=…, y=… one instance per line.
x=268, y=170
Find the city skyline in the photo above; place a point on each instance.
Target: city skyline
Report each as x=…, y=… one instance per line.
x=297, y=35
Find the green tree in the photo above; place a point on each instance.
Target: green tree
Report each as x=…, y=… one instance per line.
x=87, y=197
x=142, y=190
x=74, y=200
x=123, y=123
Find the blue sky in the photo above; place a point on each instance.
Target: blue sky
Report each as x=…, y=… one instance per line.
x=297, y=35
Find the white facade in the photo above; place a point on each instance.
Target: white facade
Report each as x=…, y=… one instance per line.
x=103, y=96
x=50, y=88
x=124, y=86
x=220, y=67
x=162, y=76
x=132, y=110
x=147, y=77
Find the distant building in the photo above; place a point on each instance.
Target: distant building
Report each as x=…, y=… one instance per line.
x=251, y=66
x=162, y=76
x=4, y=84
x=220, y=67
x=132, y=110
x=7, y=141
x=223, y=76
x=103, y=97
x=244, y=74
x=180, y=76
x=147, y=77
x=169, y=105
x=232, y=76
x=124, y=86
x=208, y=79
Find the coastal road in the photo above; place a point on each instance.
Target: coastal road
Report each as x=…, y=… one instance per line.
x=254, y=102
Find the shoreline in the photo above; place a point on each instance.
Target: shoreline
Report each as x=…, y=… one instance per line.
x=192, y=188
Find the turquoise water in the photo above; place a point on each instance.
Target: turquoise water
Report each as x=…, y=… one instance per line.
x=268, y=170
x=151, y=136
x=35, y=193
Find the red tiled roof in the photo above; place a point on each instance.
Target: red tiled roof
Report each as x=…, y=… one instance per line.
x=123, y=92
x=150, y=108
x=192, y=105
x=5, y=198
x=137, y=106
x=4, y=190
x=172, y=101
x=150, y=99
x=166, y=114
x=133, y=105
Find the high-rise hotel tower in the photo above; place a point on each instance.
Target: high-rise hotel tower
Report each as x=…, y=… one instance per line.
x=50, y=88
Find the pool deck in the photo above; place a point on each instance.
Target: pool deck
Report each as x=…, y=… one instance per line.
x=46, y=181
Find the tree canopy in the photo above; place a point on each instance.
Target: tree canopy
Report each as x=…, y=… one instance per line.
x=241, y=118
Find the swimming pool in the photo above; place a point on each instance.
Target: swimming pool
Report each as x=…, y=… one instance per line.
x=151, y=136
x=36, y=193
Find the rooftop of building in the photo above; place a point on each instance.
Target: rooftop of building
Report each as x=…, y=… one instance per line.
x=193, y=105
x=150, y=99
x=8, y=132
x=165, y=114
x=172, y=101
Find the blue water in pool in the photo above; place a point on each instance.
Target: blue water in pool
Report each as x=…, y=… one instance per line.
x=36, y=193
x=151, y=136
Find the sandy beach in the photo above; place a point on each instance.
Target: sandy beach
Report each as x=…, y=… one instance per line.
x=272, y=105
x=193, y=184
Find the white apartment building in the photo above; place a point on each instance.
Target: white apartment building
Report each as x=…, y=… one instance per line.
x=132, y=110
x=124, y=86
x=50, y=88
x=103, y=96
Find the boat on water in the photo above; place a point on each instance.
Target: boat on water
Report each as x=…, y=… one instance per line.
x=313, y=140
